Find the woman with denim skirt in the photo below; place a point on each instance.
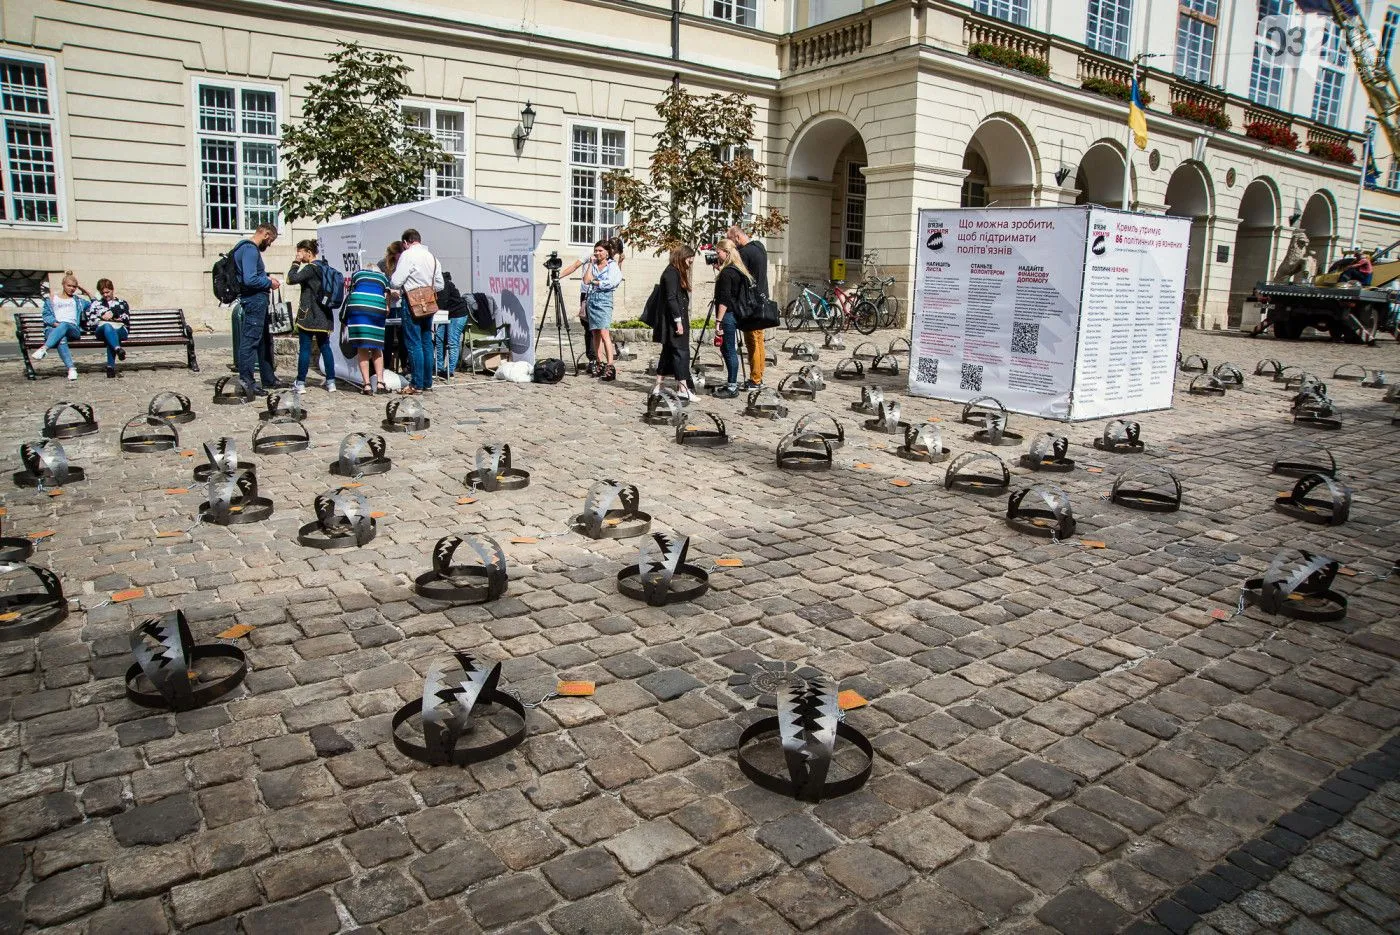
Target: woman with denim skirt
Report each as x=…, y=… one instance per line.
x=107, y=319
x=602, y=276
x=62, y=315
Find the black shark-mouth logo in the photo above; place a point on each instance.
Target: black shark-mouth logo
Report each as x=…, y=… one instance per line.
x=1100, y=245
x=935, y=240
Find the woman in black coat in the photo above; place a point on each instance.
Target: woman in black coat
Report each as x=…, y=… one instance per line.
x=671, y=328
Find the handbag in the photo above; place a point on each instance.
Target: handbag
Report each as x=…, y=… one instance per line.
x=279, y=316
x=347, y=348
x=651, y=313
x=422, y=300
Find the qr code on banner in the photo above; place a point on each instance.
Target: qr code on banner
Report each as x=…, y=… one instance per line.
x=928, y=369
x=1025, y=338
x=971, y=378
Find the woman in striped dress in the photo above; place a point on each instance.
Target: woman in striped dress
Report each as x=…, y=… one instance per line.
x=366, y=308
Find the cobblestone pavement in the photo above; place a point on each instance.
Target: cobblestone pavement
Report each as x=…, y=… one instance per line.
x=1066, y=737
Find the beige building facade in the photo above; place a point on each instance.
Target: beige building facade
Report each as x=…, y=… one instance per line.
x=142, y=135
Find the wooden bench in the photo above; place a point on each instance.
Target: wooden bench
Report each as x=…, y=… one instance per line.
x=149, y=327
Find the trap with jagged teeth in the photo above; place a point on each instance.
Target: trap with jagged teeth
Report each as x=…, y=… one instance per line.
x=1229, y=375
x=1268, y=367
x=865, y=350
x=623, y=351
x=1194, y=363
x=826, y=426
x=833, y=341
x=765, y=403
x=172, y=407
x=804, y=451
x=922, y=443
x=25, y=611
x=283, y=405
x=700, y=436
x=69, y=420
x=806, y=383
x=181, y=675
x=1301, y=461
x=661, y=575
x=1041, y=510
x=1299, y=588
x=612, y=510
x=234, y=501
x=976, y=411
x=1152, y=488
x=280, y=435
x=887, y=419
x=1049, y=452
x=885, y=365
x=457, y=704
x=1206, y=384
x=342, y=520
x=802, y=350
x=14, y=549
x=222, y=458
x=849, y=368
x=760, y=681
x=806, y=729
x=697, y=376
x=1298, y=379
x=465, y=584
x=144, y=434
x=230, y=391
x=1375, y=380
x=1392, y=395
x=362, y=454
x=870, y=399
x=46, y=465
x=1350, y=373
x=1332, y=510
x=1122, y=436
x=979, y=472
x=995, y=432
x=898, y=346
x=1314, y=410
x=663, y=408
x=493, y=471
x=405, y=414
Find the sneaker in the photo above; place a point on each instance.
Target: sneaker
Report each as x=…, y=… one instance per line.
x=592, y=370
x=299, y=387
x=330, y=386
x=683, y=392
x=255, y=390
x=72, y=374
x=40, y=354
x=111, y=373
x=750, y=385
x=121, y=353
x=726, y=392
x=274, y=384
x=609, y=373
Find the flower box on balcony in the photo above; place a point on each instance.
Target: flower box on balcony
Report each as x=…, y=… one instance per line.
x=1272, y=134
x=1333, y=152
x=1010, y=58
x=1204, y=114
x=1115, y=89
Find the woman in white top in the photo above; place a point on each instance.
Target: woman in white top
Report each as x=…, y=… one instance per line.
x=63, y=314
x=602, y=276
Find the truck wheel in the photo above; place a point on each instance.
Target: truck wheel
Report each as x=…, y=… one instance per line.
x=1289, y=329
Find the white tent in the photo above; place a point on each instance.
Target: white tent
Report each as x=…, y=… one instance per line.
x=486, y=249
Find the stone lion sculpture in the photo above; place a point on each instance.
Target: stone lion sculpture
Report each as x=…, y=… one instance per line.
x=1295, y=261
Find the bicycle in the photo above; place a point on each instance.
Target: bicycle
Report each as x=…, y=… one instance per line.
x=873, y=288
x=810, y=307
x=855, y=310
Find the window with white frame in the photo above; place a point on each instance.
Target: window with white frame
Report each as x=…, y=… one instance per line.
x=1013, y=11
x=1388, y=30
x=1331, y=79
x=1392, y=178
x=1195, y=38
x=718, y=215
x=1265, y=75
x=593, y=152
x=238, y=151
x=447, y=125
x=29, y=112
x=1108, y=26
x=738, y=12
x=853, y=238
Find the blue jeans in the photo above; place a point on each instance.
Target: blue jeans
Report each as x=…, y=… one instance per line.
x=449, y=343
x=305, y=339
x=418, y=347
x=254, y=341
x=112, y=335
x=729, y=350
x=57, y=336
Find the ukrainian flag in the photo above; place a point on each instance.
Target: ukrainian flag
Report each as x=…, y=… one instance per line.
x=1137, y=118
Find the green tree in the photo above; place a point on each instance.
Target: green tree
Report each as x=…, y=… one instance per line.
x=354, y=150
x=701, y=175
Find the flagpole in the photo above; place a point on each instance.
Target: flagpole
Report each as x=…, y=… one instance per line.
x=1128, y=143
x=1361, y=189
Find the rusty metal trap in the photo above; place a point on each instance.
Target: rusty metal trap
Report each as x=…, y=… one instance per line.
x=803, y=737
x=700, y=436
x=221, y=458
x=25, y=610
x=46, y=465
x=280, y=435
x=1151, y=488
x=362, y=454
x=1268, y=367
x=922, y=443
x=1297, y=379
x=405, y=414
x=885, y=365
x=663, y=408
x=230, y=391
x=887, y=419
x=234, y=501
x=1299, y=588
x=1206, y=384
x=283, y=405
x=804, y=451
x=69, y=420
x=824, y=425
x=1349, y=373
x=478, y=583
x=849, y=368
x=661, y=575
x=1122, y=436
x=1302, y=460
x=973, y=472
x=870, y=399
x=342, y=519
x=456, y=705
x=172, y=407
x=765, y=403
x=182, y=676
x=145, y=433
x=1048, y=452
x=995, y=432
x=1332, y=510
x=806, y=383
x=1194, y=363
x=612, y=510
x=493, y=471
x=1040, y=510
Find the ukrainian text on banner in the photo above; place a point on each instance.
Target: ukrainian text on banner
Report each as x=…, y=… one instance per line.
x=503, y=267
x=1130, y=319
x=996, y=306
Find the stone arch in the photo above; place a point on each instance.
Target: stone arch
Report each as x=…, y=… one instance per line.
x=1189, y=195
x=1255, y=237
x=1005, y=147
x=825, y=196
x=1099, y=177
x=1319, y=221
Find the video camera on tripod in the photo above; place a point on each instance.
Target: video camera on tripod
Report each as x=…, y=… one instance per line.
x=553, y=263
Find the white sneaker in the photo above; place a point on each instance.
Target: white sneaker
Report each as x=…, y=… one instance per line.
x=72, y=374
x=299, y=387
x=330, y=386
x=40, y=354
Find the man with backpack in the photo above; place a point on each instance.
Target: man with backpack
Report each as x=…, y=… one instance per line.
x=759, y=316
x=242, y=271
x=321, y=286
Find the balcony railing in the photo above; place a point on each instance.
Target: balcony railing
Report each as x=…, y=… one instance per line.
x=1267, y=116
x=829, y=42
x=1318, y=134
x=1096, y=66
x=1006, y=36
x=1198, y=94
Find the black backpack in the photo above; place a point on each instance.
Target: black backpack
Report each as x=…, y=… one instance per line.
x=549, y=370
x=755, y=310
x=228, y=285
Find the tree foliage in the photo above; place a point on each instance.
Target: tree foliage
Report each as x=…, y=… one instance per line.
x=701, y=174
x=354, y=150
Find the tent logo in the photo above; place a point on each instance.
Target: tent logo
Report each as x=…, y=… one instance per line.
x=1100, y=245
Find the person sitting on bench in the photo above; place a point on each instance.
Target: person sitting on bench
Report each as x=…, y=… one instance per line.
x=107, y=318
x=62, y=313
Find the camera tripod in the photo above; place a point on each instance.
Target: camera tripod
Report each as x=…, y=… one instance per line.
x=700, y=341
x=555, y=300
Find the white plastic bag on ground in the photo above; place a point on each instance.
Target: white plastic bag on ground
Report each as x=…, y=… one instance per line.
x=516, y=371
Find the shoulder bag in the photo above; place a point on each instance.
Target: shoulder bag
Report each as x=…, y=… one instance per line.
x=422, y=300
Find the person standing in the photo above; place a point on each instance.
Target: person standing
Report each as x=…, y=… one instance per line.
x=254, y=340
x=62, y=314
x=313, y=320
x=733, y=279
x=602, y=276
x=107, y=319
x=417, y=268
x=366, y=310
x=755, y=257
x=448, y=337
x=672, y=326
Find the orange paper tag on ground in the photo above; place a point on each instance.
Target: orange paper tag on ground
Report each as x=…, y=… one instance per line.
x=352, y=485
x=463, y=501
x=43, y=534
x=1093, y=544
x=130, y=594
x=236, y=631
x=235, y=509
x=524, y=540
x=12, y=615
x=1295, y=597
x=933, y=419
x=1285, y=493
x=1349, y=572
x=175, y=490
x=574, y=689
x=612, y=522
x=1220, y=614
x=1094, y=470
x=378, y=514
x=58, y=492
x=187, y=454
x=848, y=699
x=418, y=438
x=4, y=512
x=900, y=482
x=862, y=466
x=169, y=535
x=729, y=562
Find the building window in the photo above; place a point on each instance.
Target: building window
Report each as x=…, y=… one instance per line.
x=974, y=187
x=1388, y=30
x=1392, y=178
x=238, y=144
x=1013, y=11
x=30, y=168
x=854, y=237
x=738, y=12
x=593, y=152
x=1266, y=76
x=1108, y=26
x=1331, y=79
x=449, y=127
x=1195, y=38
